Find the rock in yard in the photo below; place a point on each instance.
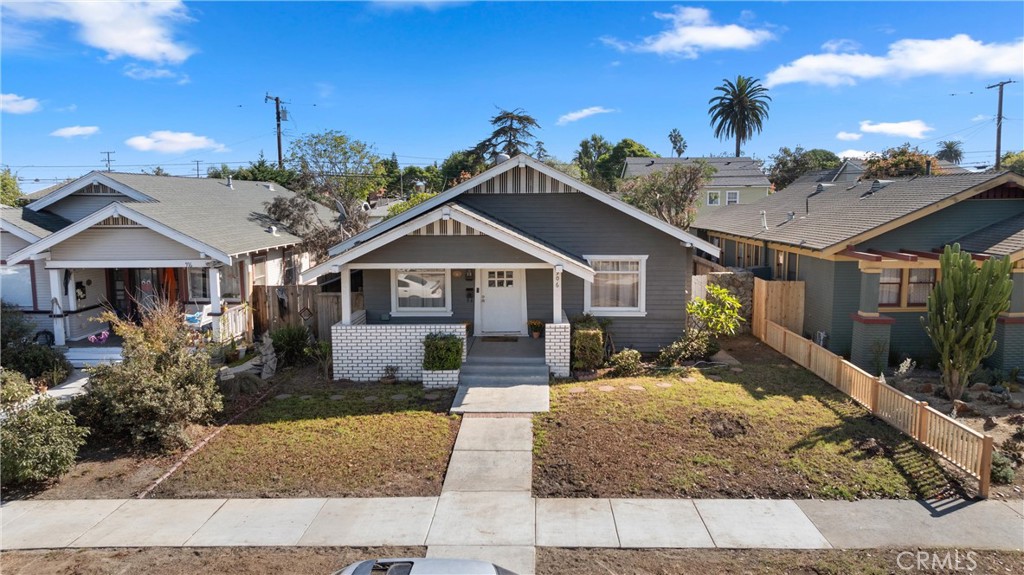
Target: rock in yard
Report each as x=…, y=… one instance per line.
x=636, y=387
x=399, y=397
x=926, y=388
x=577, y=390
x=282, y=396
x=979, y=387
x=961, y=408
x=606, y=388
x=989, y=424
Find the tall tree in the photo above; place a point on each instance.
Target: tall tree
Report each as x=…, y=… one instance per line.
x=1012, y=161
x=612, y=164
x=512, y=134
x=392, y=173
x=332, y=167
x=259, y=171
x=539, y=151
x=157, y=171
x=950, y=151
x=672, y=195
x=587, y=156
x=740, y=110
x=678, y=142
x=460, y=166
x=962, y=312
x=10, y=191
x=788, y=165
x=899, y=162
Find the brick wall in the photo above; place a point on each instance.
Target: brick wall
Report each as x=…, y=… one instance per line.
x=556, y=348
x=441, y=378
x=361, y=352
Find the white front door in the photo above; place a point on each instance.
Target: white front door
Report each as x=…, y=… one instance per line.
x=501, y=301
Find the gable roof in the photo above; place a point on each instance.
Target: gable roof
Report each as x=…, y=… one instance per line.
x=231, y=219
x=845, y=213
x=730, y=172
x=29, y=225
x=521, y=160
x=1002, y=238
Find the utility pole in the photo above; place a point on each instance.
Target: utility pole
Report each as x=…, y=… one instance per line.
x=277, y=110
x=197, y=166
x=999, y=120
x=108, y=160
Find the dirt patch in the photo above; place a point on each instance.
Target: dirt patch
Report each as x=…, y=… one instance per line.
x=189, y=561
x=553, y=561
x=722, y=425
x=748, y=349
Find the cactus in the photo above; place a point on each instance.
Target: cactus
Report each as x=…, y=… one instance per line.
x=962, y=312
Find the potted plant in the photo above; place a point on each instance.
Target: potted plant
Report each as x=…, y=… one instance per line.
x=536, y=327
x=390, y=374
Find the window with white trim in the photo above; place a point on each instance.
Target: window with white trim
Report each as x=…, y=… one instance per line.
x=732, y=198
x=198, y=284
x=259, y=270
x=919, y=286
x=421, y=292
x=16, y=285
x=714, y=198
x=619, y=286
x=230, y=282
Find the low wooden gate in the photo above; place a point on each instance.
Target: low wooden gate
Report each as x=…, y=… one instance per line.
x=278, y=306
x=779, y=302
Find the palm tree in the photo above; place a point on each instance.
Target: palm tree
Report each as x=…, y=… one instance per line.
x=739, y=110
x=950, y=151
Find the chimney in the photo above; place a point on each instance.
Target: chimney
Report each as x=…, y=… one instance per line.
x=927, y=167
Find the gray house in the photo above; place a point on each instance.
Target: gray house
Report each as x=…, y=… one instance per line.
x=521, y=241
x=735, y=181
x=118, y=241
x=868, y=252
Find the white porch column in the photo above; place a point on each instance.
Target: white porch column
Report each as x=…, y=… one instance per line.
x=346, y=295
x=214, y=279
x=56, y=307
x=72, y=295
x=556, y=294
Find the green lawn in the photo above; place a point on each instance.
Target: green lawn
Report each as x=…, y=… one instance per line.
x=328, y=440
x=768, y=431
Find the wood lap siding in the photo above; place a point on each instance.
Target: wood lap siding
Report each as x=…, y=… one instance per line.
x=76, y=207
x=446, y=249
x=116, y=244
x=519, y=181
x=935, y=230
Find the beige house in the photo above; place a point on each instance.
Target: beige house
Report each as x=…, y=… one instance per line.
x=736, y=180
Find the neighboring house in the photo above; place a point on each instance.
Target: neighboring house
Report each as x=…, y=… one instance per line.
x=520, y=241
x=852, y=170
x=868, y=252
x=121, y=240
x=736, y=180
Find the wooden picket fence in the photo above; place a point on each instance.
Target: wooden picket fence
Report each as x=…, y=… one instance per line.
x=965, y=448
x=278, y=306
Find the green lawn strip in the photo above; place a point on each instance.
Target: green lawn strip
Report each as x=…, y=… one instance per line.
x=318, y=446
x=763, y=432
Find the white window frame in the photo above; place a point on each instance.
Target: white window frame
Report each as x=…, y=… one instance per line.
x=205, y=282
x=732, y=197
x=639, y=311
x=718, y=198
x=29, y=271
x=446, y=311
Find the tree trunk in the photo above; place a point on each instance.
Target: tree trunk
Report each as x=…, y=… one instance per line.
x=739, y=141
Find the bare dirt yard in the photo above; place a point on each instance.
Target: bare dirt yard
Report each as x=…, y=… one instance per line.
x=550, y=561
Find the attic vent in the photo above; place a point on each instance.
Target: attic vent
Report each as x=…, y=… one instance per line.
x=230, y=185
x=790, y=216
x=271, y=187
x=823, y=187
x=877, y=185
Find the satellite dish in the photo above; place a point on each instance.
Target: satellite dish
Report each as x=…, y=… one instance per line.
x=342, y=213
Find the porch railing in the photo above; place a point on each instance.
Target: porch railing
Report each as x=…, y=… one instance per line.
x=234, y=323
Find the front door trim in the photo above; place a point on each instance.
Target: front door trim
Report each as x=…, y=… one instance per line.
x=520, y=277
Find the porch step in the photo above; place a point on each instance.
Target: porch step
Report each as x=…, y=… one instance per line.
x=481, y=374
x=88, y=356
x=502, y=360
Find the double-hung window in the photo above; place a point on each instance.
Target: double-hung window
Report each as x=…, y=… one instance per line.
x=198, y=284
x=714, y=198
x=732, y=198
x=619, y=286
x=919, y=286
x=421, y=292
x=230, y=282
x=889, y=284
x=16, y=285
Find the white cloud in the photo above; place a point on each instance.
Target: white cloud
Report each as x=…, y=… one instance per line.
x=136, y=72
x=848, y=136
x=324, y=89
x=960, y=54
x=981, y=118
x=908, y=129
x=428, y=5
x=859, y=154
x=691, y=32
x=841, y=45
x=15, y=104
x=580, y=114
x=173, y=142
x=142, y=30
x=75, y=131
x=68, y=108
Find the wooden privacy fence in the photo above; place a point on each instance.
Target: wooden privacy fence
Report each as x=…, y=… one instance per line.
x=953, y=441
x=780, y=302
x=306, y=305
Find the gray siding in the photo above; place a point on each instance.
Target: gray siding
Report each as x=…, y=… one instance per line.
x=581, y=225
x=377, y=300
x=819, y=290
x=1010, y=349
x=539, y=292
x=10, y=243
x=908, y=337
x=120, y=244
x=935, y=230
x=1017, y=295
x=76, y=207
x=845, y=301
x=446, y=249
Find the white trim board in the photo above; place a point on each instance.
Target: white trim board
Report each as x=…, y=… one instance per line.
x=117, y=209
x=18, y=232
x=520, y=161
x=90, y=178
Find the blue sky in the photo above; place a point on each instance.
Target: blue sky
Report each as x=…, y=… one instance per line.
x=170, y=83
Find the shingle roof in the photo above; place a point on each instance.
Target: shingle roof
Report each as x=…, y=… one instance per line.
x=39, y=224
x=730, y=171
x=233, y=220
x=840, y=212
x=1000, y=239
x=487, y=216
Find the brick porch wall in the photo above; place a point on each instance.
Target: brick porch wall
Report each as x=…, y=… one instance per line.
x=556, y=348
x=361, y=352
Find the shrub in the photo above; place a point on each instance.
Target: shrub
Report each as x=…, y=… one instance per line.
x=40, y=440
x=320, y=352
x=14, y=328
x=587, y=348
x=37, y=361
x=1002, y=469
x=163, y=385
x=694, y=345
x=626, y=363
x=716, y=315
x=442, y=351
x=290, y=344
